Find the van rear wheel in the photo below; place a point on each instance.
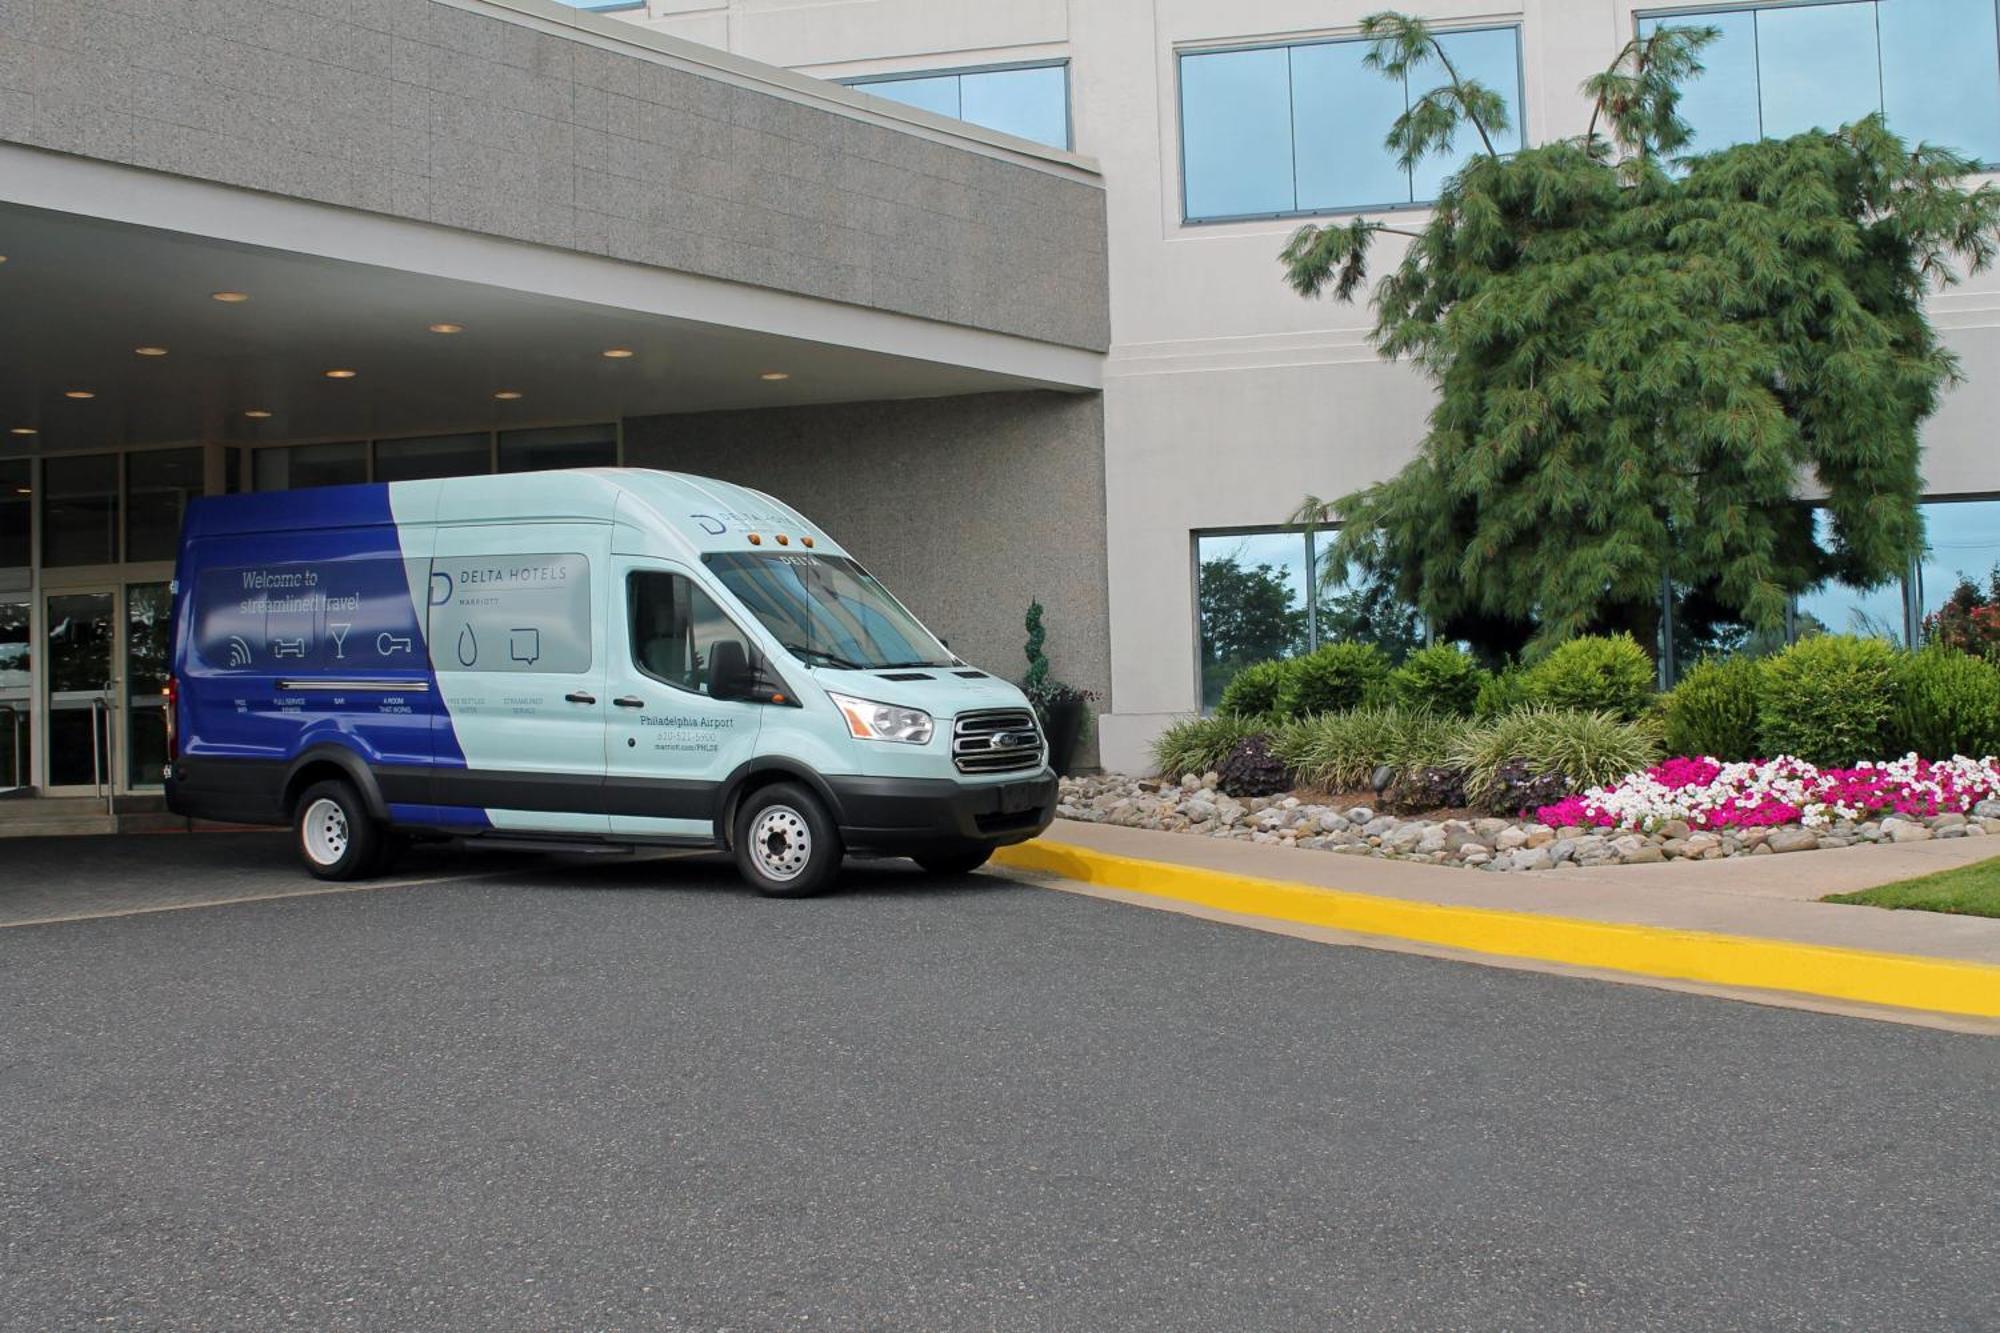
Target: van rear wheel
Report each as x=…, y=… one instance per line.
x=949, y=861
x=786, y=845
x=336, y=838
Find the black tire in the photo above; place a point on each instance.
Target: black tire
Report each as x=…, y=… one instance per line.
x=335, y=836
x=786, y=845
x=960, y=860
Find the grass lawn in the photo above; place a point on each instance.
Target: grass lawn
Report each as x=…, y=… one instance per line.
x=1972, y=890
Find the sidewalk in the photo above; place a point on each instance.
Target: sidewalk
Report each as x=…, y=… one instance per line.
x=1746, y=926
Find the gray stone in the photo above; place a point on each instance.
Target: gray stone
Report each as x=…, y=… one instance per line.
x=1377, y=826
x=1700, y=844
x=1333, y=823
x=1792, y=840
x=1360, y=814
x=1491, y=828
x=1540, y=835
x=1569, y=833
x=1947, y=821
x=1674, y=828
x=1904, y=830
x=1507, y=839
x=1643, y=855
x=1433, y=839
x=1533, y=858
x=1199, y=810
x=1404, y=838
x=1987, y=810
x=1190, y=782
x=1562, y=851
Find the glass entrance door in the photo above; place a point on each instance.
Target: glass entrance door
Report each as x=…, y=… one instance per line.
x=80, y=636
x=17, y=697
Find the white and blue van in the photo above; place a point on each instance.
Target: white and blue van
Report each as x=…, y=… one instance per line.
x=601, y=656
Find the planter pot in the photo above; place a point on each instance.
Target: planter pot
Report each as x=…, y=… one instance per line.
x=1064, y=722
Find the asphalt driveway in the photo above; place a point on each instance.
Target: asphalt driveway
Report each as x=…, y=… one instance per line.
x=633, y=1095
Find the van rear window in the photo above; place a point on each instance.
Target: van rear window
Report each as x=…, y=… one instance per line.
x=310, y=615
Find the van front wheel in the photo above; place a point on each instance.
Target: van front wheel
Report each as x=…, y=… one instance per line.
x=337, y=839
x=786, y=846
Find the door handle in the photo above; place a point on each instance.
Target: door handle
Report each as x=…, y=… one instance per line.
x=629, y=701
x=579, y=697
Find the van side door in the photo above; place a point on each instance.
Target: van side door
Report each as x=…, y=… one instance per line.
x=519, y=651
x=669, y=744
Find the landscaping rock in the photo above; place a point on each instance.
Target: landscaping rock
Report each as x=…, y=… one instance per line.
x=1507, y=839
x=1905, y=830
x=1793, y=840
x=1674, y=828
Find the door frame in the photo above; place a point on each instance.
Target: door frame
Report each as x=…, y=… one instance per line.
x=86, y=579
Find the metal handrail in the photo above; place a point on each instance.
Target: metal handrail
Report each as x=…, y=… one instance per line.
x=100, y=704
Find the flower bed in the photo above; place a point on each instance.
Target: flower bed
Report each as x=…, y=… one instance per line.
x=1707, y=794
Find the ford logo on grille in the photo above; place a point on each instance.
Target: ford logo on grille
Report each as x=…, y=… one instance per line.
x=1012, y=740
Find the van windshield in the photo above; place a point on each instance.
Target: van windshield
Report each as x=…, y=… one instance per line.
x=826, y=610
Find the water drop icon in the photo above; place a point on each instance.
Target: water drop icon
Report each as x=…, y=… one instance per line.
x=468, y=647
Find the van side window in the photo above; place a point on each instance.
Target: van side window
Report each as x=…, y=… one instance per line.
x=675, y=625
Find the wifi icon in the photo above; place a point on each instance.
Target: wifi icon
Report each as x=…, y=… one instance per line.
x=239, y=652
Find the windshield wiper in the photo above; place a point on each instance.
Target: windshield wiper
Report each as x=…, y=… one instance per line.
x=831, y=659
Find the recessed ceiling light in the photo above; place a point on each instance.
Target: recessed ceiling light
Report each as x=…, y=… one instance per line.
x=447, y=328
x=229, y=298
x=78, y=393
x=22, y=430
x=340, y=374
x=256, y=413
x=150, y=351
x=508, y=395
x=618, y=353
x=775, y=375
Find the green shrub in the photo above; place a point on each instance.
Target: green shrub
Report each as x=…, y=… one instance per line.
x=1713, y=711
x=1442, y=678
x=1587, y=749
x=1200, y=744
x=1333, y=678
x=1946, y=703
x=1254, y=691
x=1501, y=693
x=1596, y=673
x=1826, y=700
x=1341, y=751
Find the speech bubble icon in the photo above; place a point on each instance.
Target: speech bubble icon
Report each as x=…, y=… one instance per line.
x=525, y=645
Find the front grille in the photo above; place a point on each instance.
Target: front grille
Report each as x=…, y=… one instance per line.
x=974, y=737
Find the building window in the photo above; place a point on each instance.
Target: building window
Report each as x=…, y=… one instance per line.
x=1961, y=545
x=17, y=501
x=1277, y=131
x=1261, y=595
x=1026, y=101
x=80, y=510
x=1931, y=67
x=311, y=465
x=563, y=446
x=158, y=485
x=436, y=456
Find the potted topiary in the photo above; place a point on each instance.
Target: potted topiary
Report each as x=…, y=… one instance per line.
x=1060, y=707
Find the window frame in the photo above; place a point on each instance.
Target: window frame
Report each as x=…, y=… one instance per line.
x=1181, y=53
x=861, y=83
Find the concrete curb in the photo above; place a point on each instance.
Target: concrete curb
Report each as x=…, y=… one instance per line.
x=1900, y=981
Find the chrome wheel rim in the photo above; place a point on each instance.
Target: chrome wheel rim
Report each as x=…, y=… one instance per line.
x=325, y=831
x=780, y=843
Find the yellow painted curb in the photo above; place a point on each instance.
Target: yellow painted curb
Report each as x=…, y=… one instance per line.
x=1900, y=980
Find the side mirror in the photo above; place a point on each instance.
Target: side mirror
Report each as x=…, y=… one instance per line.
x=739, y=675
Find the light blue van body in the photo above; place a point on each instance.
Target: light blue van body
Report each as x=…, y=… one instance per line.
x=529, y=657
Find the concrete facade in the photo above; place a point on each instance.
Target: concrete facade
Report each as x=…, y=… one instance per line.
x=1227, y=397
x=967, y=507
x=524, y=121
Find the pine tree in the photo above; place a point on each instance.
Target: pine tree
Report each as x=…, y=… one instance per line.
x=1641, y=354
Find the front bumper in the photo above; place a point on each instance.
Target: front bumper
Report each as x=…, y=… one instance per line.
x=901, y=815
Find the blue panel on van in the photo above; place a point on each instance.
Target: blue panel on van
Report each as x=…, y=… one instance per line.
x=298, y=593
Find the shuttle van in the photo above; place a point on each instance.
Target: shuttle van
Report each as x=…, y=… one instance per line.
x=602, y=656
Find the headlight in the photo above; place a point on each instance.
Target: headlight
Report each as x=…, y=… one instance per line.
x=870, y=721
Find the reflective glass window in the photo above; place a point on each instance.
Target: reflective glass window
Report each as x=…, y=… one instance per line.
x=16, y=707
x=1491, y=56
x=17, y=509
x=1030, y=103
x=1301, y=129
x=1720, y=103
x=1361, y=609
x=149, y=612
x=1250, y=603
x=1236, y=133
x=1931, y=66
x=1839, y=608
x=563, y=446
x=1817, y=67
x=158, y=485
x=1340, y=112
x=437, y=456
x=1961, y=545
x=80, y=509
x=311, y=465
x=1940, y=75
x=674, y=627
